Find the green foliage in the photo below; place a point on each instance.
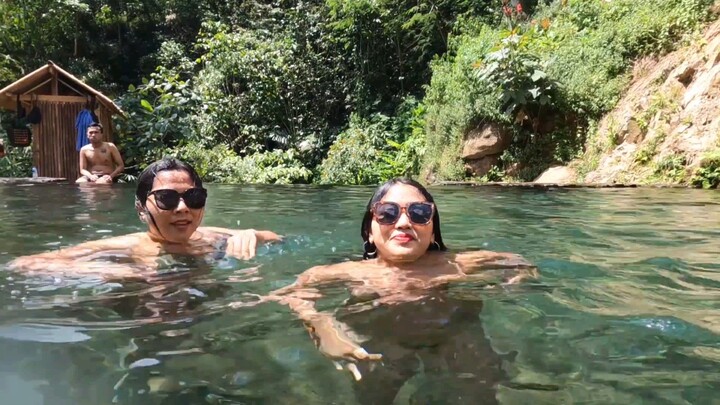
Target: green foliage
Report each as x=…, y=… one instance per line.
x=649, y=149
x=533, y=154
x=660, y=102
x=17, y=162
x=160, y=114
x=353, y=157
x=276, y=167
x=31, y=32
x=518, y=75
x=554, y=74
x=222, y=165
x=252, y=83
x=389, y=44
x=213, y=165
x=375, y=150
x=672, y=168
x=493, y=175
x=455, y=100
x=111, y=44
x=708, y=174
x=263, y=93
x=403, y=156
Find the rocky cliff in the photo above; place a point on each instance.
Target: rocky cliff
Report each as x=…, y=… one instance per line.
x=666, y=127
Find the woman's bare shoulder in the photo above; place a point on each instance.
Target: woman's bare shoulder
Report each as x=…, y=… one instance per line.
x=120, y=241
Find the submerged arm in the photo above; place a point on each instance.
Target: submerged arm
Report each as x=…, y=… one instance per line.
x=76, y=259
x=512, y=267
x=332, y=337
x=117, y=159
x=84, y=167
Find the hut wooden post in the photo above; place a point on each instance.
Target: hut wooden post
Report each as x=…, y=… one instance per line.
x=55, y=87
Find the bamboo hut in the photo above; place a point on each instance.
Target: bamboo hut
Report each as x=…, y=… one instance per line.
x=60, y=97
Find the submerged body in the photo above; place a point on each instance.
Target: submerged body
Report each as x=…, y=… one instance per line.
x=398, y=301
x=434, y=351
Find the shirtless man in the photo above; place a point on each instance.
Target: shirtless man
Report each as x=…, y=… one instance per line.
x=100, y=162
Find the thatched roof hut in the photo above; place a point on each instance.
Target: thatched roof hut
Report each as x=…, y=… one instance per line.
x=60, y=97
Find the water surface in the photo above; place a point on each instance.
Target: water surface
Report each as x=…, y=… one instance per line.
x=626, y=310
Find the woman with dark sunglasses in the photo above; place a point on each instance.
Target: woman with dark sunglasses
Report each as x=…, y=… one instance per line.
x=170, y=199
x=398, y=301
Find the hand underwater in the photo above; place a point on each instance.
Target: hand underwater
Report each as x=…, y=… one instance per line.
x=243, y=244
x=333, y=341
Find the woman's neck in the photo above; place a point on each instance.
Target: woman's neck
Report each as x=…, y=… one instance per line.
x=425, y=260
x=403, y=265
x=158, y=238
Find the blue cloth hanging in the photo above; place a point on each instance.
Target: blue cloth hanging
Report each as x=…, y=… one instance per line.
x=82, y=122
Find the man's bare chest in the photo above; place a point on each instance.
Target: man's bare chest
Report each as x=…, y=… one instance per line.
x=99, y=155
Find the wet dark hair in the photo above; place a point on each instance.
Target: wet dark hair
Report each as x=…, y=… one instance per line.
x=147, y=177
x=96, y=125
x=369, y=249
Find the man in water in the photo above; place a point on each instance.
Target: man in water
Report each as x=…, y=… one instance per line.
x=100, y=161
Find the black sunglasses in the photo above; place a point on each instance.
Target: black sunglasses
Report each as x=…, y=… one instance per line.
x=168, y=199
x=388, y=213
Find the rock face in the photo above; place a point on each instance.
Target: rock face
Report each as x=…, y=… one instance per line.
x=482, y=147
x=668, y=118
x=480, y=167
x=557, y=175
x=490, y=139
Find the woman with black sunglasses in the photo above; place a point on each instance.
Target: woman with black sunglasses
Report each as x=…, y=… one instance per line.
x=170, y=199
x=398, y=302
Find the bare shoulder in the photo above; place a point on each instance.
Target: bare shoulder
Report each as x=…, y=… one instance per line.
x=111, y=145
x=117, y=242
x=77, y=252
x=86, y=148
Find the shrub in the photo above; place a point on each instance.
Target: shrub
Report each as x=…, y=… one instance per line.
x=708, y=174
x=221, y=165
x=354, y=156
x=263, y=92
x=17, y=162
x=159, y=116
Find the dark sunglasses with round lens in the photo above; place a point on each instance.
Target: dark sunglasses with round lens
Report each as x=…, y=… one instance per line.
x=168, y=199
x=388, y=213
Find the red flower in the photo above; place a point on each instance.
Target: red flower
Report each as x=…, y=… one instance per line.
x=507, y=10
x=519, y=8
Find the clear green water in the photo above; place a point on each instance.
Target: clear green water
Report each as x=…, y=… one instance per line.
x=626, y=310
